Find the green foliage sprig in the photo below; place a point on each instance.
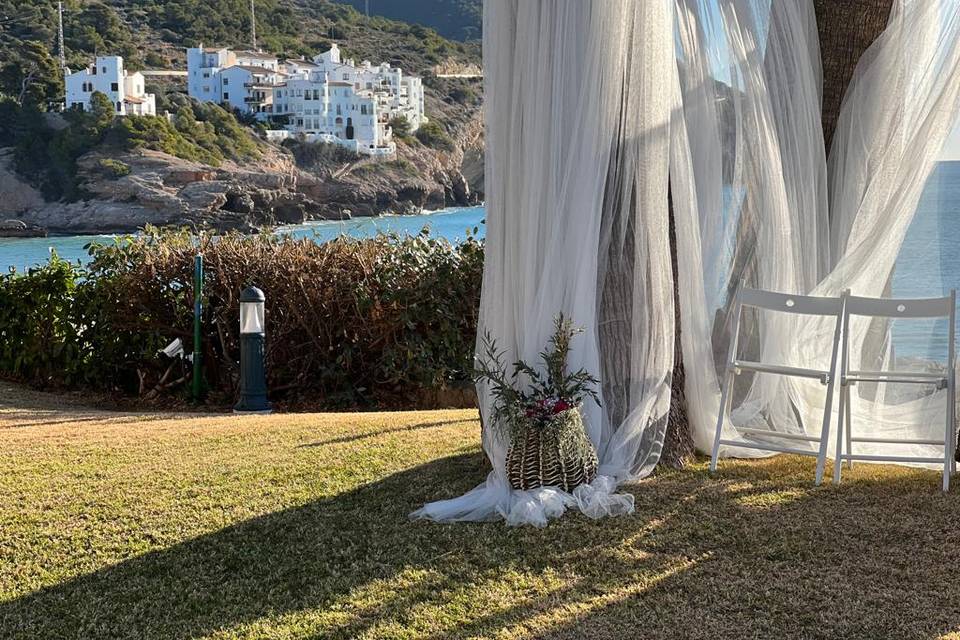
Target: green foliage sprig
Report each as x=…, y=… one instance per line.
x=525, y=394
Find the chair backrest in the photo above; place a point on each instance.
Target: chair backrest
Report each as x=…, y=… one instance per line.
x=902, y=307
x=913, y=308
x=788, y=303
x=785, y=303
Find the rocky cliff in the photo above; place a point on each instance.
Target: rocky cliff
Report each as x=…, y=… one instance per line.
x=159, y=189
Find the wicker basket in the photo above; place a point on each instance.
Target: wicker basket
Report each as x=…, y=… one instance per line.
x=555, y=454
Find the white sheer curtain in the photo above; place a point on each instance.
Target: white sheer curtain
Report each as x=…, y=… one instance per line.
x=593, y=108
x=758, y=204
x=577, y=174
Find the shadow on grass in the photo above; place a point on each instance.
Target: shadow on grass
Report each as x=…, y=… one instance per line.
x=374, y=434
x=755, y=552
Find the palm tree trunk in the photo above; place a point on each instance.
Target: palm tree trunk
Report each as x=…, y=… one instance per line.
x=846, y=29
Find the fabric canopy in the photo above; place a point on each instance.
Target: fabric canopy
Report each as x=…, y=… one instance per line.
x=600, y=113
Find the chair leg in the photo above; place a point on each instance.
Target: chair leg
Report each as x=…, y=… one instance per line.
x=724, y=394
x=849, y=427
x=948, y=441
x=838, y=455
x=824, y=434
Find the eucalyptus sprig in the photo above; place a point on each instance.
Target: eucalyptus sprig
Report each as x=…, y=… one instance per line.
x=526, y=393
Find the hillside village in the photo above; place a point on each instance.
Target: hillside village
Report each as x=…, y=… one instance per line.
x=244, y=138
x=326, y=100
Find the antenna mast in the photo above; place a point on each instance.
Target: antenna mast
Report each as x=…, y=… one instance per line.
x=253, y=25
x=63, y=53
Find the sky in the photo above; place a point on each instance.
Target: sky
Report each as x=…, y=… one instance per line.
x=951, y=150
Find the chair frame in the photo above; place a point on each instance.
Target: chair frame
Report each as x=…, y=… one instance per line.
x=916, y=308
x=784, y=303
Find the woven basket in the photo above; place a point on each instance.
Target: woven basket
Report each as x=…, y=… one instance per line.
x=555, y=454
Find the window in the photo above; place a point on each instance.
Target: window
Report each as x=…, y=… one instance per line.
x=119, y=107
x=93, y=71
x=206, y=74
x=226, y=96
x=113, y=86
x=104, y=69
x=316, y=94
x=226, y=81
x=206, y=89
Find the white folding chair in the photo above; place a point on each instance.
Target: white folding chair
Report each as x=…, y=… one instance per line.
x=766, y=439
x=927, y=308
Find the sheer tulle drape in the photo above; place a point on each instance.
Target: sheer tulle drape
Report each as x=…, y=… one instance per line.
x=577, y=148
x=787, y=220
x=593, y=108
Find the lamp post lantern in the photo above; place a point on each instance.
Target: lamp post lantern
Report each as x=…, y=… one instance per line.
x=253, y=380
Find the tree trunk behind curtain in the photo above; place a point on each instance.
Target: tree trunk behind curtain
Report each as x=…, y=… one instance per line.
x=846, y=29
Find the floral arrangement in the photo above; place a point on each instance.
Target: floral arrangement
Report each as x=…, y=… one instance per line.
x=539, y=413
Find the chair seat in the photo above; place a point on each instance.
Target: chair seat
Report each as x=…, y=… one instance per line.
x=768, y=446
x=745, y=365
x=906, y=377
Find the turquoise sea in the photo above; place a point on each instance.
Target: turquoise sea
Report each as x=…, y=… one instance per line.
x=453, y=224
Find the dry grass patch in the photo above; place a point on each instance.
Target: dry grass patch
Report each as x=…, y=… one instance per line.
x=118, y=525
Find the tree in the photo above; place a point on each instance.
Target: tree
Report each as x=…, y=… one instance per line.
x=102, y=111
x=32, y=77
x=846, y=29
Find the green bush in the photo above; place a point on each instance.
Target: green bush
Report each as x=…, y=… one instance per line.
x=113, y=168
x=434, y=136
x=314, y=155
x=350, y=323
x=401, y=128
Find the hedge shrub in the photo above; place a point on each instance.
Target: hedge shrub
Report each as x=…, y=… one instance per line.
x=350, y=323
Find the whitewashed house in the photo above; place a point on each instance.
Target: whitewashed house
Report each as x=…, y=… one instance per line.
x=241, y=80
x=127, y=91
x=249, y=88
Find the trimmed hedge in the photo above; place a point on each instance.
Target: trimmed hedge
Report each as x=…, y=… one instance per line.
x=350, y=323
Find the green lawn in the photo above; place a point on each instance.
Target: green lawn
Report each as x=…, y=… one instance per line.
x=295, y=526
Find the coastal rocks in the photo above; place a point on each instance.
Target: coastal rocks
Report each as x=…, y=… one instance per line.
x=16, y=196
x=20, y=229
x=162, y=190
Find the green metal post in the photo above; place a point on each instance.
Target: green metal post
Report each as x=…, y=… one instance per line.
x=197, y=315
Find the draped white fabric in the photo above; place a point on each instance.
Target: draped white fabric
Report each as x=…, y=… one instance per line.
x=593, y=108
x=761, y=206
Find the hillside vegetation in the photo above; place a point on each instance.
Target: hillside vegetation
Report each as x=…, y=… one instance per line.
x=153, y=33
x=456, y=19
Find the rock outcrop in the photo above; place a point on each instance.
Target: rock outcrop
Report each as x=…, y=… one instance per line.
x=162, y=190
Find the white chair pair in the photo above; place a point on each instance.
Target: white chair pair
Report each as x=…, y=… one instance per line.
x=840, y=309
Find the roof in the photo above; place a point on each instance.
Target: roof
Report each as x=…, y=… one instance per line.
x=302, y=63
x=133, y=100
x=252, y=69
x=335, y=83
x=255, y=54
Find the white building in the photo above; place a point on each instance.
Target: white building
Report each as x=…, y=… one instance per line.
x=325, y=99
x=241, y=80
x=125, y=90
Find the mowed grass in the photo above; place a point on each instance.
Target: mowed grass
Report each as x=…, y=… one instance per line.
x=120, y=525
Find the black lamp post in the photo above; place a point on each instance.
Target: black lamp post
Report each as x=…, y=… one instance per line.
x=253, y=380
